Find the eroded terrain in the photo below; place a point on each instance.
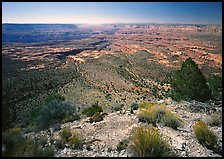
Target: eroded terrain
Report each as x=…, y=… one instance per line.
x=114, y=65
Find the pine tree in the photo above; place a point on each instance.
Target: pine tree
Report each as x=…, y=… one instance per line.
x=189, y=83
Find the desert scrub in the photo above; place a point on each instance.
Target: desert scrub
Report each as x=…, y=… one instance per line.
x=172, y=120
x=147, y=142
x=15, y=145
x=59, y=144
x=52, y=96
x=65, y=134
x=56, y=111
x=154, y=113
x=204, y=135
x=117, y=107
x=134, y=106
x=214, y=120
x=76, y=140
x=92, y=110
x=145, y=105
x=11, y=138
x=122, y=145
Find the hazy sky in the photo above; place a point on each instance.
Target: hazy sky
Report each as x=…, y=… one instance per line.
x=112, y=12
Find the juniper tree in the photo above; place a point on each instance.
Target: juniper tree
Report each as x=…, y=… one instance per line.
x=189, y=83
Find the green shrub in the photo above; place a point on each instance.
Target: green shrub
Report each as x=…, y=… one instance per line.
x=145, y=105
x=134, y=106
x=214, y=120
x=172, y=121
x=56, y=111
x=47, y=152
x=11, y=139
x=117, y=107
x=18, y=146
x=59, y=144
x=65, y=134
x=122, y=145
x=154, y=113
x=215, y=83
x=189, y=83
x=92, y=110
x=204, y=135
x=147, y=142
x=52, y=96
x=43, y=140
x=75, y=141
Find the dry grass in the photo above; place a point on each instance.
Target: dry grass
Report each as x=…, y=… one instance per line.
x=18, y=146
x=204, y=135
x=76, y=140
x=154, y=113
x=214, y=120
x=147, y=142
x=65, y=134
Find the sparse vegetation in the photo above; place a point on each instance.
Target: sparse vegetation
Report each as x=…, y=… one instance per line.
x=145, y=105
x=92, y=110
x=65, y=134
x=154, y=113
x=43, y=140
x=134, y=106
x=214, y=120
x=20, y=87
x=189, y=83
x=18, y=146
x=52, y=96
x=147, y=142
x=122, y=145
x=115, y=68
x=56, y=111
x=117, y=107
x=204, y=135
x=59, y=144
x=75, y=141
x=215, y=83
x=172, y=120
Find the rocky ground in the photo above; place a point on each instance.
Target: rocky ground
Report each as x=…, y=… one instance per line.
x=102, y=137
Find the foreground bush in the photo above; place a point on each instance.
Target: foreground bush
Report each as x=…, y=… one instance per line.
x=56, y=111
x=172, y=120
x=134, y=106
x=65, y=134
x=215, y=83
x=92, y=110
x=189, y=83
x=154, y=113
x=147, y=142
x=214, y=120
x=15, y=145
x=117, y=107
x=74, y=139
x=52, y=96
x=122, y=145
x=145, y=105
x=204, y=135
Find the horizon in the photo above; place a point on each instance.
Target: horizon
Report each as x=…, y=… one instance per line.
x=202, y=13
x=149, y=23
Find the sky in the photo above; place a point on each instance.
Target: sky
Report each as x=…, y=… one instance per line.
x=112, y=12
